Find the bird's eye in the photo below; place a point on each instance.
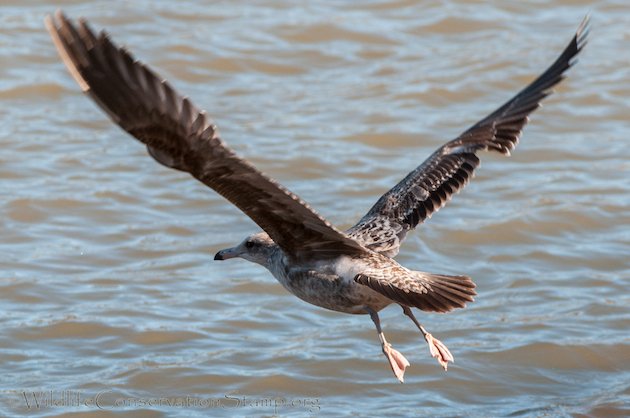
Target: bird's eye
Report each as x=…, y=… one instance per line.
x=249, y=244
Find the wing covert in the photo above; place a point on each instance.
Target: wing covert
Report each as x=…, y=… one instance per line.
x=180, y=136
x=427, y=188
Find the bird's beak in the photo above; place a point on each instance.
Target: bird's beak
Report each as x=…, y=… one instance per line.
x=226, y=254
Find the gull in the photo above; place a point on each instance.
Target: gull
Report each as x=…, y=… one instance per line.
x=353, y=271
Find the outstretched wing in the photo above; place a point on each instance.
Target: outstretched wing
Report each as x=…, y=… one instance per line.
x=426, y=189
x=180, y=136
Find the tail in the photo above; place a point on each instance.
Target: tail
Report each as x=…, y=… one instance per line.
x=447, y=292
x=425, y=291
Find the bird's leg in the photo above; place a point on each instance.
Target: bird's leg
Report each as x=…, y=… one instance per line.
x=436, y=347
x=397, y=361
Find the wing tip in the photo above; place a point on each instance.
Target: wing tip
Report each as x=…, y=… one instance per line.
x=580, y=39
x=583, y=29
x=54, y=30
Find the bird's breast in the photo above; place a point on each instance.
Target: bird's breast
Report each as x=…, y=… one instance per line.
x=329, y=284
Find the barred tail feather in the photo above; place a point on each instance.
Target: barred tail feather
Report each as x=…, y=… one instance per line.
x=445, y=292
x=425, y=291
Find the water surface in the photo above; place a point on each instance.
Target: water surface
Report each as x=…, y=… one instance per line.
x=108, y=289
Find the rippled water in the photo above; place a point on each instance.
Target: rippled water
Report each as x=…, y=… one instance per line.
x=108, y=288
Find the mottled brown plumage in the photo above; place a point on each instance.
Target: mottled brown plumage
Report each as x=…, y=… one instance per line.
x=349, y=272
x=427, y=188
x=180, y=136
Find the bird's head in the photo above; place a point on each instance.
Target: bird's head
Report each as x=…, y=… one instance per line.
x=256, y=248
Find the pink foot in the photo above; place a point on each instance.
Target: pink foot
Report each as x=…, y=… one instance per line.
x=439, y=351
x=397, y=361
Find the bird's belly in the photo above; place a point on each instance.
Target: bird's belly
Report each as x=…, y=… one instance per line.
x=332, y=292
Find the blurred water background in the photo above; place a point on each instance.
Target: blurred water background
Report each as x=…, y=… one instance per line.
x=108, y=290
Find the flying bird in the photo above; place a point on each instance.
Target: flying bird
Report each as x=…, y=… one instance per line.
x=351, y=271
